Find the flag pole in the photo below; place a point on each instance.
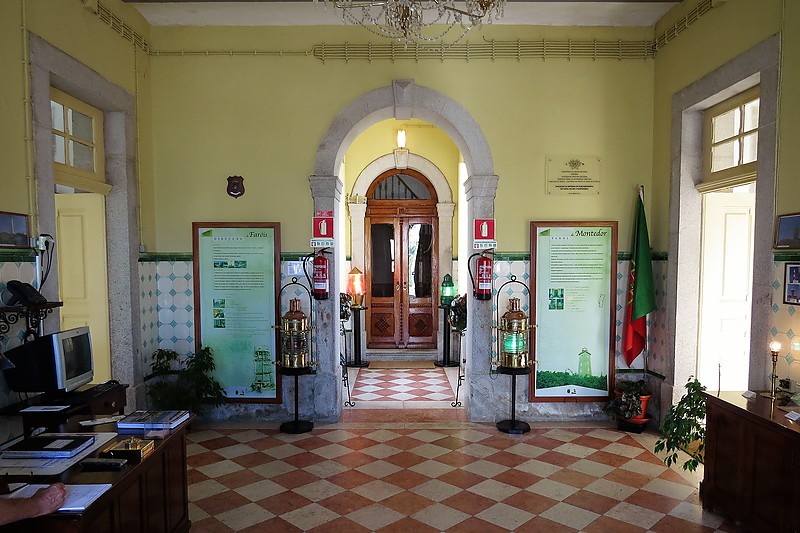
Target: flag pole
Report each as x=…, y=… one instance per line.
x=647, y=330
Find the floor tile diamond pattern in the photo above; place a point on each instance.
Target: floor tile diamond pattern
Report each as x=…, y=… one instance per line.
x=450, y=479
x=415, y=384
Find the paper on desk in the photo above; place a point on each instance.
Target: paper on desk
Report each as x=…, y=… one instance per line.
x=79, y=497
x=43, y=408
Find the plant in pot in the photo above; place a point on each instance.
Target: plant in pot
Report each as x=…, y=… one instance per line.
x=184, y=383
x=629, y=405
x=683, y=428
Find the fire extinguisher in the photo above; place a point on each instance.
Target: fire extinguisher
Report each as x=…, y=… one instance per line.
x=321, y=275
x=482, y=290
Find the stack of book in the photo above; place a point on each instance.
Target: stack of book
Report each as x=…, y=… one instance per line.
x=49, y=446
x=145, y=420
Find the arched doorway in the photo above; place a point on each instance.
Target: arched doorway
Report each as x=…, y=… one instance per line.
x=401, y=261
x=403, y=100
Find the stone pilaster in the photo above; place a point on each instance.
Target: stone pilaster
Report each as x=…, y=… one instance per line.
x=482, y=390
x=326, y=391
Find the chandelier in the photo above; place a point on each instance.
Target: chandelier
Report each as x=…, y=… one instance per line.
x=415, y=21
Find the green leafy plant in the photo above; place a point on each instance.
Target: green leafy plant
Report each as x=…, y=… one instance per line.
x=184, y=383
x=628, y=402
x=683, y=428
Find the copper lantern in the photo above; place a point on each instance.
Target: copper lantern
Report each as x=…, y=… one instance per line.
x=295, y=330
x=514, y=333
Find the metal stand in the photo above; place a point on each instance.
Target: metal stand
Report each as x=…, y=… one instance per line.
x=296, y=426
x=513, y=426
x=445, y=341
x=357, y=362
x=457, y=402
x=343, y=363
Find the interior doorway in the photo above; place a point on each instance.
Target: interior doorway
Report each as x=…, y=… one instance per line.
x=401, y=261
x=726, y=288
x=82, y=272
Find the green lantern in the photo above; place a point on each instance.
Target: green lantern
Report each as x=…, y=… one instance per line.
x=447, y=291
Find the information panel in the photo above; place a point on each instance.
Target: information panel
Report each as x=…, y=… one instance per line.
x=236, y=283
x=574, y=273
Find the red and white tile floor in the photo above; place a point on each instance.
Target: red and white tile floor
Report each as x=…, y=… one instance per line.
x=407, y=465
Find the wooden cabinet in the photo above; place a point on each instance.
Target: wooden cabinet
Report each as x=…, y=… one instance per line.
x=752, y=462
x=105, y=399
x=150, y=496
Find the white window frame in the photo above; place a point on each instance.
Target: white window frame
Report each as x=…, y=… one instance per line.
x=67, y=174
x=741, y=173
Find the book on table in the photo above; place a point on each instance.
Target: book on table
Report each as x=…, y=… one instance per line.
x=49, y=446
x=153, y=420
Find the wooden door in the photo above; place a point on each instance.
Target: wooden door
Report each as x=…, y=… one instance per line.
x=82, y=272
x=402, y=273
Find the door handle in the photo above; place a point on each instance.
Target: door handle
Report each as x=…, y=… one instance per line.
x=397, y=287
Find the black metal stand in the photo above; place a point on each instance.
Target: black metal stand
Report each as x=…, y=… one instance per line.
x=296, y=426
x=513, y=426
x=357, y=362
x=461, y=375
x=343, y=362
x=445, y=362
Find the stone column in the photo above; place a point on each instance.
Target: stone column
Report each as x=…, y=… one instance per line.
x=482, y=390
x=326, y=391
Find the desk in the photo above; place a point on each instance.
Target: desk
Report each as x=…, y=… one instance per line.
x=150, y=496
x=752, y=462
x=87, y=400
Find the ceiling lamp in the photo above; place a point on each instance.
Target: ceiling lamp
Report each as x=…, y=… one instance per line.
x=414, y=21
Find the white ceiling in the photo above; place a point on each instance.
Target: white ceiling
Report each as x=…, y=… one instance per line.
x=312, y=13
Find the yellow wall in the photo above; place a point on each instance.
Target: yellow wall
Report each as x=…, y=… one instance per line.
x=263, y=118
x=723, y=33
x=79, y=33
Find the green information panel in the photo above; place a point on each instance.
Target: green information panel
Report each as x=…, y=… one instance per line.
x=574, y=297
x=236, y=282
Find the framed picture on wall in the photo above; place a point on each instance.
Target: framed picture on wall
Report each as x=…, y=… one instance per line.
x=236, y=288
x=791, y=284
x=787, y=232
x=14, y=230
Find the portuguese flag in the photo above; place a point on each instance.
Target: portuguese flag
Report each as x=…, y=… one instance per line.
x=640, y=298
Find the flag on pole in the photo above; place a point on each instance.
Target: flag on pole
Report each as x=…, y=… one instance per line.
x=640, y=297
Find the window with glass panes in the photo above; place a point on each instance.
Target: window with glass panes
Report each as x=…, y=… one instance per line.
x=78, y=157
x=731, y=135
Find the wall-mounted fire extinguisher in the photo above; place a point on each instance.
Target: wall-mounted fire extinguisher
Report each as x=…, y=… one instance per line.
x=482, y=287
x=321, y=274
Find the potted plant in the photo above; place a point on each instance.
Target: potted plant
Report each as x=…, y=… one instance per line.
x=184, y=383
x=629, y=405
x=684, y=429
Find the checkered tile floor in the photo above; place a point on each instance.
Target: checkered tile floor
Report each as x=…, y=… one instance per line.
x=402, y=385
x=437, y=477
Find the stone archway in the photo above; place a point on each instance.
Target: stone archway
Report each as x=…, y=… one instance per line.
x=402, y=101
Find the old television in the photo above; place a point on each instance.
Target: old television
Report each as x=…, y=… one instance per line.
x=58, y=362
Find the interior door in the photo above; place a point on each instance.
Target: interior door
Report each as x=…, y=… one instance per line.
x=401, y=270
x=82, y=272
x=725, y=300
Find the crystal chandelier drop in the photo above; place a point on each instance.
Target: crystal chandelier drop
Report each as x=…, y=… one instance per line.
x=419, y=21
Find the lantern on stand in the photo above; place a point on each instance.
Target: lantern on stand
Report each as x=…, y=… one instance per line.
x=513, y=351
x=296, y=350
x=356, y=289
x=295, y=337
x=447, y=292
x=513, y=332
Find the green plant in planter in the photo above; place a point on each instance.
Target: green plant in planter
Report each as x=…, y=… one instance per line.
x=684, y=428
x=184, y=383
x=628, y=403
